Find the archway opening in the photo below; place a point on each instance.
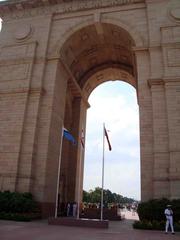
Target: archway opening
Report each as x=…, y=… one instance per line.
x=115, y=103
x=92, y=55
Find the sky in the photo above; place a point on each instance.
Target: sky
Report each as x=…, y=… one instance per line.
x=115, y=104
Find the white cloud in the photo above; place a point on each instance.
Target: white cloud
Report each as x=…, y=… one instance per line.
x=119, y=110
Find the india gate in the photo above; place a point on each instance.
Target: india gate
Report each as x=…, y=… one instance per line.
x=53, y=54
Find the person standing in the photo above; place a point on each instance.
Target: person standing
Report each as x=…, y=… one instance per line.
x=169, y=219
x=74, y=209
x=68, y=209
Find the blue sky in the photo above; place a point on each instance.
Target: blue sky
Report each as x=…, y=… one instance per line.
x=114, y=103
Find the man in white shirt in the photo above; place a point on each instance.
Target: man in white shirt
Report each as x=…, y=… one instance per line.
x=169, y=219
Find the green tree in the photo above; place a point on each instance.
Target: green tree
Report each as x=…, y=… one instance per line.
x=85, y=196
x=94, y=196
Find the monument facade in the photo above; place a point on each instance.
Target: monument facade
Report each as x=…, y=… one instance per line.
x=53, y=53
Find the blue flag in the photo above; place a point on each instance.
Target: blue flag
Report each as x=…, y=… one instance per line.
x=68, y=136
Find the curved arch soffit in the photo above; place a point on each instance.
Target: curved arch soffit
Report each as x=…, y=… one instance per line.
x=134, y=34
x=108, y=74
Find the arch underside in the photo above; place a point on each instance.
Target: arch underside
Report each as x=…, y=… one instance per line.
x=98, y=53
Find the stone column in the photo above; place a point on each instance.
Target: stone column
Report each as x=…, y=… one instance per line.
x=49, y=132
x=16, y=92
x=26, y=90
x=65, y=150
x=25, y=178
x=172, y=87
x=161, y=140
x=75, y=171
x=80, y=167
x=146, y=124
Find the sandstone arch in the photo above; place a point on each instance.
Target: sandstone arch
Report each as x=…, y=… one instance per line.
x=137, y=38
x=108, y=74
x=41, y=89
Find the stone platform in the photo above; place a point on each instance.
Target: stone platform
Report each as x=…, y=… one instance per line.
x=81, y=222
x=95, y=213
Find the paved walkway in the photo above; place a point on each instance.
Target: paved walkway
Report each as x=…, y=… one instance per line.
x=40, y=230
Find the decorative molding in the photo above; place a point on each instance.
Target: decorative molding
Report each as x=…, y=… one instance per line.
x=39, y=91
x=14, y=72
x=174, y=11
x=172, y=178
x=163, y=81
x=28, y=8
x=172, y=80
x=140, y=49
x=173, y=57
x=155, y=81
x=16, y=61
x=18, y=51
x=161, y=179
x=101, y=76
x=23, y=33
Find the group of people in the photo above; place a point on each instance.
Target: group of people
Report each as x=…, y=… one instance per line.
x=71, y=210
x=68, y=209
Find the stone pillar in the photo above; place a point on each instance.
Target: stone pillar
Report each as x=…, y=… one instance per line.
x=146, y=124
x=17, y=95
x=161, y=186
x=63, y=190
x=55, y=139
x=25, y=178
x=12, y=105
x=76, y=154
x=172, y=87
x=49, y=132
x=27, y=87
x=80, y=163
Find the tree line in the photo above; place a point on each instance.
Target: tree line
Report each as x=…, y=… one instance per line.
x=94, y=196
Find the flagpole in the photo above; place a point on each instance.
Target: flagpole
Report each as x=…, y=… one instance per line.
x=58, y=176
x=102, y=189
x=79, y=182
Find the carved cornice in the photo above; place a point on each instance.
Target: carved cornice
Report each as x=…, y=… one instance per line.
x=153, y=81
x=163, y=81
x=19, y=8
x=161, y=179
x=38, y=91
x=166, y=179
x=140, y=49
x=172, y=80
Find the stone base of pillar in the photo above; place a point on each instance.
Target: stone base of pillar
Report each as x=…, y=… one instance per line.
x=82, y=222
x=47, y=209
